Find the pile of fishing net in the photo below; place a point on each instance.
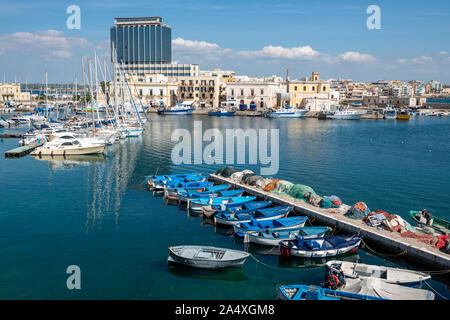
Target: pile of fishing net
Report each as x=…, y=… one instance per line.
x=358, y=211
x=282, y=187
x=271, y=185
x=298, y=191
x=251, y=180
x=237, y=176
x=330, y=202
x=313, y=199
x=226, y=172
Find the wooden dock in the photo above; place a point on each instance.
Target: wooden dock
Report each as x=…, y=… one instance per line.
x=391, y=243
x=11, y=135
x=20, y=151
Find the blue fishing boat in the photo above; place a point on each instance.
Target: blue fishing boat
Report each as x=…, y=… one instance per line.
x=186, y=196
x=272, y=237
x=302, y=292
x=187, y=186
x=232, y=218
x=328, y=246
x=161, y=184
x=196, y=205
x=248, y=207
x=241, y=229
x=149, y=179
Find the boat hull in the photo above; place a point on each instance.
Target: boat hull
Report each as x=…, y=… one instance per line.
x=218, y=220
x=68, y=152
x=175, y=112
x=205, y=263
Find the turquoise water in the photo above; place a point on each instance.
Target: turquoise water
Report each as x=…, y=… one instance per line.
x=95, y=212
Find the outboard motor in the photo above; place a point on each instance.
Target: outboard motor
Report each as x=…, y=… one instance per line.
x=334, y=279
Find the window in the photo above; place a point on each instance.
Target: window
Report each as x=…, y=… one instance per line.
x=242, y=92
x=324, y=88
x=304, y=88
x=313, y=88
x=161, y=92
x=232, y=92
x=252, y=92
x=262, y=91
x=295, y=88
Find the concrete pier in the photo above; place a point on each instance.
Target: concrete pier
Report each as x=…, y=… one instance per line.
x=391, y=242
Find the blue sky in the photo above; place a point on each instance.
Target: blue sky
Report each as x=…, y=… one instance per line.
x=257, y=38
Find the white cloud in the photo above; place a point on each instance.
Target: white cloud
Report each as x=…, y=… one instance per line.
x=352, y=56
x=443, y=53
x=47, y=43
x=421, y=59
x=61, y=54
x=212, y=51
x=301, y=53
x=402, y=60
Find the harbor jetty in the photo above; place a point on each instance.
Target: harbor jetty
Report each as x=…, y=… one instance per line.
x=391, y=243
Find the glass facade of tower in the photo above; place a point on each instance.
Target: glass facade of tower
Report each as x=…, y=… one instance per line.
x=139, y=40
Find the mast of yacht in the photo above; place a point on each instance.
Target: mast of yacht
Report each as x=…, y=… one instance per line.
x=91, y=93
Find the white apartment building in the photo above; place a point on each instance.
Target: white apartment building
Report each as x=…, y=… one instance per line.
x=263, y=95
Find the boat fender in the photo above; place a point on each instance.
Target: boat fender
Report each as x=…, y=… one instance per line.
x=333, y=281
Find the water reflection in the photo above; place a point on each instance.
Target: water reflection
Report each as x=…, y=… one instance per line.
x=106, y=178
x=226, y=274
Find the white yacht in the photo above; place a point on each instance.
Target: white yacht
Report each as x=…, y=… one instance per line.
x=66, y=145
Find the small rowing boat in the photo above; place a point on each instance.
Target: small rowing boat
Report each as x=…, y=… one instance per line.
x=232, y=218
x=328, y=246
x=196, y=205
x=273, y=238
x=424, y=218
x=206, y=257
x=398, y=276
x=302, y=292
x=241, y=229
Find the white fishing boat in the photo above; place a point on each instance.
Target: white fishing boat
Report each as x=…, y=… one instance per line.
x=389, y=113
x=286, y=112
x=398, y=276
x=345, y=114
x=181, y=108
x=207, y=257
x=381, y=289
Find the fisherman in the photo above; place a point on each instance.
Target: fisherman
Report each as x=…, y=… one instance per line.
x=428, y=217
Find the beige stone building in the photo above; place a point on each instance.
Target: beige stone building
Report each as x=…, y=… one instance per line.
x=301, y=90
x=203, y=90
x=12, y=92
x=154, y=90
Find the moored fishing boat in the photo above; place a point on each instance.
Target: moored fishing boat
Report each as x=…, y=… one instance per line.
x=181, y=108
x=424, y=218
x=273, y=237
x=403, y=115
x=303, y=292
x=188, y=196
x=232, y=218
x=185, y=196
x=207, y=257
x=196, y=205
x=222, y=111
x=391, y=275
x=286, y=112
x=345, y=114
x=241, y=229
x=328, y=246
x=247, y=207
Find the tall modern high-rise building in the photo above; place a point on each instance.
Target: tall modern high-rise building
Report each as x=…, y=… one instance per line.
x=144, y=46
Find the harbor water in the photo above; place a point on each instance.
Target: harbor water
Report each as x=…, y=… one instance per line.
x=96, y=213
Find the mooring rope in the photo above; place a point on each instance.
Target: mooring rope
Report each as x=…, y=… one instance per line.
x=265, y=264
x=383, y=254
x=435, y=291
